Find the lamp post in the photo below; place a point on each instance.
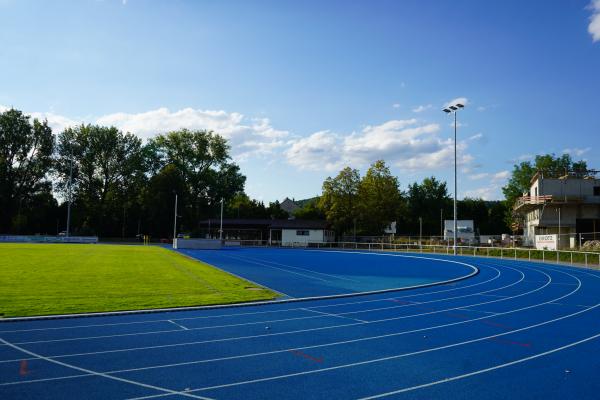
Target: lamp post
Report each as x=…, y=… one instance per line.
x=452, y=110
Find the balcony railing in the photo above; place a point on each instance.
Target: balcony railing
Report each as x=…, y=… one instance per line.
x=532, y=200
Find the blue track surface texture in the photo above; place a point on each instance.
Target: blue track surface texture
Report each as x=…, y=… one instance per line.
x=515, y=330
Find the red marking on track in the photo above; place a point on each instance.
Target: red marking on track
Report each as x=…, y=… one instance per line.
x=304, y=355
x=504, y=341
x=23, y=368
x=491, y=323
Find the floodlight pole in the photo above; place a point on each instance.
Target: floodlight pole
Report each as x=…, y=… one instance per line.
x=455, y=185
x=175, y=220
x=448, y=110
x=221, y=228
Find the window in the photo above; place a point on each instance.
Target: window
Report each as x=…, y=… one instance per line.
x=596, y=190
x=302, y=233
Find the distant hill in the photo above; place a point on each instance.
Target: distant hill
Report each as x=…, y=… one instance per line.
x=302, y=203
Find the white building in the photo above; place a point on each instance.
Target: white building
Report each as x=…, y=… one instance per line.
x=299, y=232
x=568, y=206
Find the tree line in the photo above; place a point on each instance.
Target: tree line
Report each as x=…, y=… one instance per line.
x=121, y=186
x=356, y=205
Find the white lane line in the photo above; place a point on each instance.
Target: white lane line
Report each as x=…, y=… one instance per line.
x=281, y=269
x=394, y=334
x=254, y=323
x=398, y=355
x=302, y=269
x=495, y=295
x=301, y=348
x=482, y=371
x=282, y=333
x=101, y=374
x=479, y=311
x=484, y=264
x=336, y=315
x=179, y=325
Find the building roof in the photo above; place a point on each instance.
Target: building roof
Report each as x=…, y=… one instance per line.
x=289, y=205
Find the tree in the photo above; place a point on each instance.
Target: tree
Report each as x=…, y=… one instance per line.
x=549, y=165
x=202, y=158
x=310, y=210
x=106, y=164
x=425, y=201
x=379, y=199
x=339, y=199
x=25, y=160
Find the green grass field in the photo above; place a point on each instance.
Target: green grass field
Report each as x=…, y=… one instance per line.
x=43, y=279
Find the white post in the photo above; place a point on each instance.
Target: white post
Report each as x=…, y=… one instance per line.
x=175, y=220
x=221, y=228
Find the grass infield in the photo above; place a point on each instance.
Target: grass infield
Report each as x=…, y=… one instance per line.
x=44, y=279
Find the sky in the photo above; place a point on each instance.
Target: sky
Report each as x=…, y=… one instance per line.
x=302, y=89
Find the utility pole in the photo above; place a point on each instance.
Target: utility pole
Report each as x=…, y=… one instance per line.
x=420, y=232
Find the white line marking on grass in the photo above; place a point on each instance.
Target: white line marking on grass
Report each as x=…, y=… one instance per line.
x=179, y=325
x=101, y=374
x=335, y=315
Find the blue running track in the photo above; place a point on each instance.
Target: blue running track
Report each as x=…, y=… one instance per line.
x=514, y=330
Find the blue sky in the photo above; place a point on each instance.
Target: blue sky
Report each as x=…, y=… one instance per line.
x=302, y=89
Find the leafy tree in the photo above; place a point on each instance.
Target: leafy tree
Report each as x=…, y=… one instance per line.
x=310, y=210
x=425, y=201
x=159, y=202
x=105, y=162
x=202, y=158
x=379, y=199
x=25, y=159
x=549, y=165
x=339, y=199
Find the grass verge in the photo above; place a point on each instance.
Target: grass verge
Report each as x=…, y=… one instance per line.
x=45, y=279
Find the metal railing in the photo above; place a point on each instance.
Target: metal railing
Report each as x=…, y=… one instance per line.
x=575, y=258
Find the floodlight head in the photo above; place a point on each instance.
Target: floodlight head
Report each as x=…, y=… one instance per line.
x=459, y=105
x=446, y=110
x=453, y=108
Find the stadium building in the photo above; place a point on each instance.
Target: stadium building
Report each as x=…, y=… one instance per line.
x=568, y=206
x=286, y=232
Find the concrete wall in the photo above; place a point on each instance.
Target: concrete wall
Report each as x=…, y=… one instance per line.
x=581, y=188
x=205, y=244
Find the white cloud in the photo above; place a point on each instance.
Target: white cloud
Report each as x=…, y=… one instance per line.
x=491, y=192
x=402, y=143
x=396, y=105
x=577, y=152
x=476, y=136
x=594, y=26
x=482, y=175
x=421, y=108
x=500, y=176
x=247, y=136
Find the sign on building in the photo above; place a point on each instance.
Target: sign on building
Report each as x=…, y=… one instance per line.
x=545, y=242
